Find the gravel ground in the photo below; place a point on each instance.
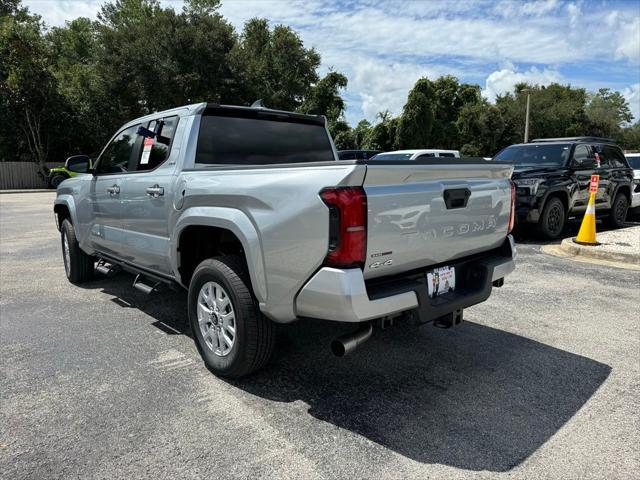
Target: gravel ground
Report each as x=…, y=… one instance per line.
x=99, y=381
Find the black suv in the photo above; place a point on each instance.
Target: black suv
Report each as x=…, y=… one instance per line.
x=552, y=181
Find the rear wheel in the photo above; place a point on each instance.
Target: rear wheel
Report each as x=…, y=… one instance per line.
x=78, y=266
x=619, y=211
x=553, y=219
x=231, y=334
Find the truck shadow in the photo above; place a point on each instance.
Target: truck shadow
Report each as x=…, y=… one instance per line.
x=474, y=397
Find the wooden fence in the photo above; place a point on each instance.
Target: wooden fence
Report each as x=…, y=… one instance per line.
x=19, y=175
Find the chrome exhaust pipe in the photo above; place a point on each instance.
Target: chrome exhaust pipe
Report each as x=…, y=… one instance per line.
x=348, y=342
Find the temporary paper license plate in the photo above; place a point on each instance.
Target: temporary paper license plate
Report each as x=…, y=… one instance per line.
x=441, y=280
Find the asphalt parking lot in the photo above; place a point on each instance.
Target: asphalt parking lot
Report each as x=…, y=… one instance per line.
x=101, y=381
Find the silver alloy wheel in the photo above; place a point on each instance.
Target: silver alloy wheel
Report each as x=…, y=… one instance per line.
x=216, y=318
x=66, y=254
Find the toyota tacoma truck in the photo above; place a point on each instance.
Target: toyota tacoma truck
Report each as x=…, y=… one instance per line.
x=250, y=210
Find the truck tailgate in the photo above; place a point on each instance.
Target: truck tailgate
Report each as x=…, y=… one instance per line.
x=422, y=214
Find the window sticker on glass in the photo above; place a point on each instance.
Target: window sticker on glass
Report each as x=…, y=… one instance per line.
x=146, y=151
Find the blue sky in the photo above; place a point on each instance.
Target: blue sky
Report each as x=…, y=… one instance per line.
x=385, y=46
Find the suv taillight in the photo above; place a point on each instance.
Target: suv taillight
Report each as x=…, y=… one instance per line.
x=512, y=215
x=347, y=226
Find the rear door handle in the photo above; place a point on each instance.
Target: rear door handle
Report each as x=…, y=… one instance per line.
x=155, y=191
x=113, y=189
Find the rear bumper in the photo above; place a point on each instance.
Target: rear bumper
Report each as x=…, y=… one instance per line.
x=344, y=296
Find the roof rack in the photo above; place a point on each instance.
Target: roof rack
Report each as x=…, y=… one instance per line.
x=574, y=139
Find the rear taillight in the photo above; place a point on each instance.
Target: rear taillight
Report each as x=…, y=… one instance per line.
x=347, y=226
x=512, y=215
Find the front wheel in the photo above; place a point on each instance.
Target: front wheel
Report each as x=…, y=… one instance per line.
x=619, y=211
x=231, y=334
x=78, y=266
x=553, y=219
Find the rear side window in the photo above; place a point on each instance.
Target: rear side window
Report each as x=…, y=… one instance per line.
x=257, y=141
x=447, y=154
x=156, y=150
x=614, y=157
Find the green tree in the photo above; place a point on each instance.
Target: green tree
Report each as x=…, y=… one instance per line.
x=361, y=133
x=273, y=65
x=629, y=137
x=324, y=98
x=383, y=135
x=449, y=98
x=416, y=122
x=28, y=90
x=556, y=111
x=481, y=128
x=607, y=111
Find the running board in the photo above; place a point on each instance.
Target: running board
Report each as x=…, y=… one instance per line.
x=144, y=287
x=107, y=269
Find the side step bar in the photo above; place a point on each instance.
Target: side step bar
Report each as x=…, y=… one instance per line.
x=108, y=269
x=143, y=287
x=146, y=282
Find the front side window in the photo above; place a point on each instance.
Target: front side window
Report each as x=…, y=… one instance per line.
x=115, y=158
x=581, y=154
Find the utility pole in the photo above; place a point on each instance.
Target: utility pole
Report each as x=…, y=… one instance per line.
x=526, y=118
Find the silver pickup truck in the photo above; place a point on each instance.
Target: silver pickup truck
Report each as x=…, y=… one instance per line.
x=251, y=211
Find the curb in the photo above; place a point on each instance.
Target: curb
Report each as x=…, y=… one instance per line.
x=33, y=190
x=570, y=247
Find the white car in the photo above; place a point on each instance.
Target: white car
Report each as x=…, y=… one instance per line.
x=401, y=155
x=634, y=162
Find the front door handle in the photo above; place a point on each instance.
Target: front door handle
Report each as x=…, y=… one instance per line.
x=113, y=189
x=155, y=191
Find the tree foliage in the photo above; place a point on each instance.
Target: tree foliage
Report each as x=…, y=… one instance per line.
x=65, y=90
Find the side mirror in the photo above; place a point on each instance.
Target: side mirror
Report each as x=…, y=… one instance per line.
x=78, y=164
x=585, y=163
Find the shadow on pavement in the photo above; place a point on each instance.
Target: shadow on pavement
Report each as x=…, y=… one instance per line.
x=474, y=397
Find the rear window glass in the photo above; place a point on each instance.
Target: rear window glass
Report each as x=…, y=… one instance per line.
x=535, y=154
x=254, y=141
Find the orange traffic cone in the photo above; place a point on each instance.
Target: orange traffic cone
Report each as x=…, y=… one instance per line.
x=587, y=233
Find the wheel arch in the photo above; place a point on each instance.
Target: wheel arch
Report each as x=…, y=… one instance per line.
x=561, y=194
x=63, y=208
x=625, y=189
x=225, y=226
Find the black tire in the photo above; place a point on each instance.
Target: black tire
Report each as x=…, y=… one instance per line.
x=57, y=180
x=78, y=266
x=254, y=337
x=619, y=210
x=553, y=219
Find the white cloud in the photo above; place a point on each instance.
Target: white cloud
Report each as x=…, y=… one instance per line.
x=574, y=12
x=628, y=40
x=384, y=85
x=632, y=94
x=503, y=81
x=384, y=46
